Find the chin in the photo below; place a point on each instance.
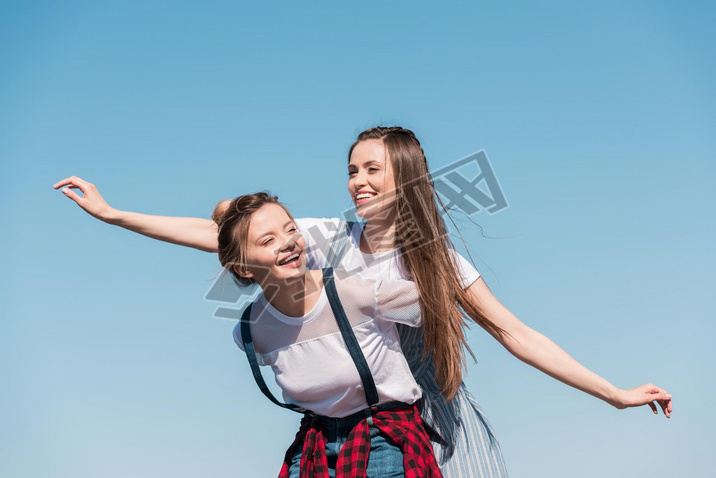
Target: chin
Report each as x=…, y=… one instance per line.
x=361, y=213
x=293, y=273
x=374, y=212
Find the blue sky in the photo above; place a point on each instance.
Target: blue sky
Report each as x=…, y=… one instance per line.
x=598, y=119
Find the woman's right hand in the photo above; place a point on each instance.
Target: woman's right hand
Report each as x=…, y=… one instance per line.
x=646, y=394
x=92, y=202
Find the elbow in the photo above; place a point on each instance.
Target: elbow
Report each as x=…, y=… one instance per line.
x=520, y=342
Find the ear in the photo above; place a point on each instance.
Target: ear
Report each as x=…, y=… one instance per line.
x=243, y=272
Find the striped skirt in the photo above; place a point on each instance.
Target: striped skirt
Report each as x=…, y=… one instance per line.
x=463, y=440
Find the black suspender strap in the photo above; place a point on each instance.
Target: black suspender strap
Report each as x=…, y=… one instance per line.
x=251, y=354
x=371, y=393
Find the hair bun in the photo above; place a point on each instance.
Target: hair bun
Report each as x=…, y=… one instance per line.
x=220, y=211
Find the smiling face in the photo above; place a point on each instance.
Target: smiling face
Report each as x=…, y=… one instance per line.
x=274, y=247
x=371, y=182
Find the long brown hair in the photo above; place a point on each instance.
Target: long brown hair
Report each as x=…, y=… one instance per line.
x=421, y=237
x=233, y=217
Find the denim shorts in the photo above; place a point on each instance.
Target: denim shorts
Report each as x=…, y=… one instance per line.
x=385, y=459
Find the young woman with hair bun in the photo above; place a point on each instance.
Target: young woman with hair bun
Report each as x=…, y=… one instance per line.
x=330, y=338
x=403, y=237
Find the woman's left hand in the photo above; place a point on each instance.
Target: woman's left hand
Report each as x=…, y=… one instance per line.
x=645, y=395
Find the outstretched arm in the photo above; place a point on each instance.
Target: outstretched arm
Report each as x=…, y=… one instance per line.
x=184, y=231
x=539, y=351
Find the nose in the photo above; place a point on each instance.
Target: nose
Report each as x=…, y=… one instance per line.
x=288, y=243
x=360, y=180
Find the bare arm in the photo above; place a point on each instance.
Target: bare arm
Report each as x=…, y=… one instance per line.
x=540, y=352
x=185, y=231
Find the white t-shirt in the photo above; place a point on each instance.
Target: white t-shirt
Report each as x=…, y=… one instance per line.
x=319, y=233
x=310, y=360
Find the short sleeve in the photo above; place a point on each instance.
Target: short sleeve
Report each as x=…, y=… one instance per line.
x=318, y=234
x=397, y=301
x=468, y=273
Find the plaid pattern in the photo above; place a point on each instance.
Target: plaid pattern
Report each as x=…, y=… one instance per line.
x=402, y=425
x=313, y=456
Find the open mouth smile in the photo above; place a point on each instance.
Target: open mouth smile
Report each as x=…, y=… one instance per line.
x=364, y=196
x=292, y=260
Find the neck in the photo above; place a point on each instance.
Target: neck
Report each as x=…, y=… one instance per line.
x=378, y=235
x=295, y=297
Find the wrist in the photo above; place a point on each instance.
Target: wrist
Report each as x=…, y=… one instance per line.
x=615, y=397
x=112, y=216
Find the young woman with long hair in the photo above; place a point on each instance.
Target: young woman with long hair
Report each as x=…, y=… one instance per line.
x=403, y=236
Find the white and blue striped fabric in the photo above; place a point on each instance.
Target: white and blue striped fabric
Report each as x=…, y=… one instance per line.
x=462, y=438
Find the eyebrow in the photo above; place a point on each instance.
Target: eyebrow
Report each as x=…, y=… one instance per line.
x=366, y=163
x=258, y=239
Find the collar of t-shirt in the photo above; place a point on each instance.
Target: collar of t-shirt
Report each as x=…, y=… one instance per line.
x=264, y=304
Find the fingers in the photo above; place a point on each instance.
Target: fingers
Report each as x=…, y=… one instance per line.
x=659, y=395
x=72, y=195
x=91, y=200
x=649, y=394
x=655, y=393
x=61, y=183
x=73, y=182
x=651, y=388
x=666, y=407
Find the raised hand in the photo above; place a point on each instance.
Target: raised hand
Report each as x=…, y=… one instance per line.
x=185, y=231
x=92, y=202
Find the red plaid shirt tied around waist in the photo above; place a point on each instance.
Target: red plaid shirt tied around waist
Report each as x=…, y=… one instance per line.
x=402, y=425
